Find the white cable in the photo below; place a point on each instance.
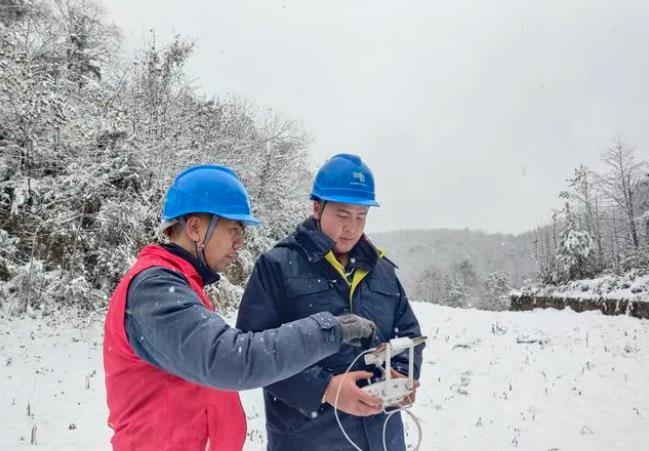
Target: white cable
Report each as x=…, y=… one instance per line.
x=385, y=429
x=420, y=433
x=415, y=419
x=389, y=414
x=340, y=425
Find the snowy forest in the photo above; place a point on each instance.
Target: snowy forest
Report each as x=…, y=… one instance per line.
x=461, y=268
x=604, y=223
x=601, y=232
x=91, y=137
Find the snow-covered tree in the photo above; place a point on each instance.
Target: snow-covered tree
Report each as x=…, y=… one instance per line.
x=89, y=141
x=430, y=286
x=621, y=183
x=583, y=196
x=605, y=224
x=574, y=249
x=497, y=286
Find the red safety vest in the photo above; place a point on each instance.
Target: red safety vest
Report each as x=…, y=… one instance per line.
x=150, y=409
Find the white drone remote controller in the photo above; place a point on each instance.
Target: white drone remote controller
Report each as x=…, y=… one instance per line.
x=393, y=391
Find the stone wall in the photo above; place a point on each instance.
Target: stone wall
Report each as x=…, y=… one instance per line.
x=638, y=309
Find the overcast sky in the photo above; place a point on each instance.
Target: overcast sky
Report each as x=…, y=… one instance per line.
x=470, y=113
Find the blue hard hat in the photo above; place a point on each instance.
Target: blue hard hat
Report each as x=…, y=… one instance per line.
x=210, y=189
x=345, y=178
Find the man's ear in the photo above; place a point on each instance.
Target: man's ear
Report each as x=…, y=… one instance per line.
x=317, y=210
x=193, y=228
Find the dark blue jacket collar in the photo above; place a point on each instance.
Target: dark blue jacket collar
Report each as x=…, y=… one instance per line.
x=315, y=245
x=209, y=277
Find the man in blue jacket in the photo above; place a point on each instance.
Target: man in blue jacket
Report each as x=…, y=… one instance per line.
x=329, y=264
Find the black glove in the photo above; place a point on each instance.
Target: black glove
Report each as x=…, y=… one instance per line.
x=355, y=330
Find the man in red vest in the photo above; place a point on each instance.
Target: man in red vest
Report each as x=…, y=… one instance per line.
x=173, y=366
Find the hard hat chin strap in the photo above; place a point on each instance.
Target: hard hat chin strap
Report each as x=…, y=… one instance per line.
x=200, y=248
x=322, y=204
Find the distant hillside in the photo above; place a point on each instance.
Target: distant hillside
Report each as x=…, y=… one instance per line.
x=415, y=250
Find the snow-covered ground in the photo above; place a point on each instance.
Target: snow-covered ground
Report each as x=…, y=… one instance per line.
x=541, y=380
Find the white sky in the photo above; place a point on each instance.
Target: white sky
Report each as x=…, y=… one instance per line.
x=471, y=114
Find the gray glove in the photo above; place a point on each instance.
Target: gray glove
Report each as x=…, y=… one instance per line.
x=355, y=330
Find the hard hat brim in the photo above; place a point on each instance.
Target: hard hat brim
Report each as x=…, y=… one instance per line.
x=347, y=200
x=248, y=220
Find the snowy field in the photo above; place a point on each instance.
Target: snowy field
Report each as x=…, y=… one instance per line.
x=542, y=380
